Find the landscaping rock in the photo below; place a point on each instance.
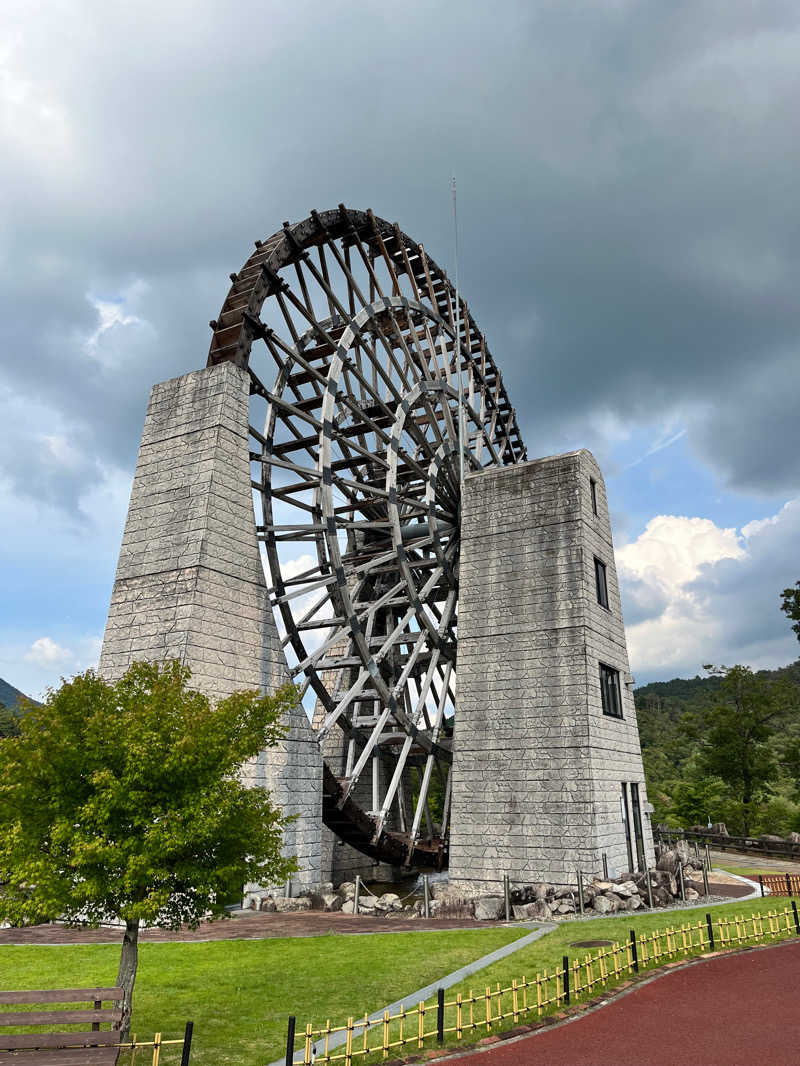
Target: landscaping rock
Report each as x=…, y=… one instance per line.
x=292, y=904
x=602, y=886
x=634, y=903
x=267, y=904
x=490, y=908
x=603, y=905
x=692, y=894
x=668, y=861
x=347, y=907
x=719, y=829
x=347, y=889
x=331, y=901
x=542, y=890
x=626, y=889
x=538, y=910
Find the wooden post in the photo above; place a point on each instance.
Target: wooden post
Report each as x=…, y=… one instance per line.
x=580, y=890
x=426, y=896
x=649, y=890
x=705, y=881
x=708, y=857
x=290, y=1040
x=788, y=886
x=440, y=1015
x=565, y=964
x=355, y=897
x=187, y=1043
x=98, y=1005
x=710, y=932
x=156, y=1049
x=796, y=919
x=761, y=882
x=634, y=951
x=308, y=1046
x=605, y=866
x=507, y=896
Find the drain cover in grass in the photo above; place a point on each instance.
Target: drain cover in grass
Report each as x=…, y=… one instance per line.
x=591, y=943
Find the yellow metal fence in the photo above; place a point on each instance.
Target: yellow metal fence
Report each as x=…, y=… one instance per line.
x=530, y=998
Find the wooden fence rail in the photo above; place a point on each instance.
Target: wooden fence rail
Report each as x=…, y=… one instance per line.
x=531, y=997
x=775, y=849
x=780, y=884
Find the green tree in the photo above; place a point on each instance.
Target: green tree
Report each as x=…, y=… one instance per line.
x=9, y=722
x=735, y=733
x=121, y=801
x=791, y=606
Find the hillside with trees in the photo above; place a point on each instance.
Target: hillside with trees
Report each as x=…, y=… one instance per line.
x=724, y=748
x=10, y=702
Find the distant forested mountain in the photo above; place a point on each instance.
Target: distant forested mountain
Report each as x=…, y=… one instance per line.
x=10, y=696
x=9, y=708
x=671, y=716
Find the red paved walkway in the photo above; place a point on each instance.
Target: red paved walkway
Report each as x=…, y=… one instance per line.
x=737, y=1010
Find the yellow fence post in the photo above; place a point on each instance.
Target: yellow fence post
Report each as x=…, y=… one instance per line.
x=348, y=1047
x=309, y=1041
x=156, y=1048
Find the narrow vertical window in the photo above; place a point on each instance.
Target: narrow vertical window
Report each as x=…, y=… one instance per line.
x=593, y=490
x=600, y=581
x=637, y=825
x=626, y=821
x=609, y=691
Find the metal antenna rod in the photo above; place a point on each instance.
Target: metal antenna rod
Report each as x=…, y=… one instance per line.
x=457, y=351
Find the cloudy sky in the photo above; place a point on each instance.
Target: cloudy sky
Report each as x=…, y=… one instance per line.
x=630, y=245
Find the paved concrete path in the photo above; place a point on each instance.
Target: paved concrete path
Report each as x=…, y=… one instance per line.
x=732, y=1010
x=753, y=862
x=450, y=979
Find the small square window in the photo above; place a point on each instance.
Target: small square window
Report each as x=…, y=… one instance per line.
x=610, y=691
x=593, y=490
x=602, y=584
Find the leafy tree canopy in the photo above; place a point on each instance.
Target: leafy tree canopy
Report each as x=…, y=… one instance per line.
x=791, y=606
x=122, y=801
x=9, y=722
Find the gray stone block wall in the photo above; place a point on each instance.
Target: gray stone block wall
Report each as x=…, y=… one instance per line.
x=538, y=767
x=190, y=583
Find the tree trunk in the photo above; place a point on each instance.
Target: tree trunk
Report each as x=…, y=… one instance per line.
x=128, y=961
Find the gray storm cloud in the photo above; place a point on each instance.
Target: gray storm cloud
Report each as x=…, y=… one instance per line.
x=630, y=229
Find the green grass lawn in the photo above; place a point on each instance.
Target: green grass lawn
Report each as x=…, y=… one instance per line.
x=240, y=992
x=746, y=871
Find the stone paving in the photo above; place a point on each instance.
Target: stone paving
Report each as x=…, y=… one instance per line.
x=254, y=926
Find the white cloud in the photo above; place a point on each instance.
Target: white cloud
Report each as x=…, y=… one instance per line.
x=672, y=550
x=701, y=593
x=46, y=653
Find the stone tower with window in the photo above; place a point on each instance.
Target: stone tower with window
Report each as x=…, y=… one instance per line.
x=547, y=769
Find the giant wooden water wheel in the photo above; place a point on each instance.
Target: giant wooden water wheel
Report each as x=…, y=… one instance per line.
x=359, y=363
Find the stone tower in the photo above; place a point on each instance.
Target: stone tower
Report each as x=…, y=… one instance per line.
x=547, y=772
x=190, y=584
